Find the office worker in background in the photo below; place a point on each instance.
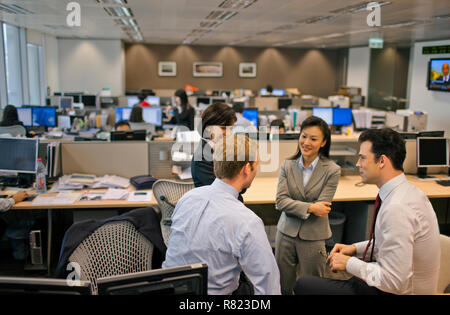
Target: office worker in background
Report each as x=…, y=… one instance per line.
x=277, y=125
x=402, y=255
x=306, y=187
x=183, y=113
x=242, y=124
x=10, y=117
x=136, y=115
x=122, y=126
x=215, y=119
x=142, y=100
x=210, y=225
x=269, y=90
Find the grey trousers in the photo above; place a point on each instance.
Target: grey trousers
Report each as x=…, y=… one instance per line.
x=292, y=253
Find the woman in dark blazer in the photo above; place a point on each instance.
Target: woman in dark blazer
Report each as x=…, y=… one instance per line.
x=306, y=187
x=183, y=112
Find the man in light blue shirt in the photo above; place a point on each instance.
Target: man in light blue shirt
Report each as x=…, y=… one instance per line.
x=211, y=225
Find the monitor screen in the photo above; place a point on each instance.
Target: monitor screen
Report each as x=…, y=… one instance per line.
x=89, y=100
x=19, y=155
x=263, y=92
x=64, y=122
x=76, y=96
x=123, y=113
x=284, y=103
x=439, y=75
x=342, y=116
x=132, y=100
x=326, y=113
x=25, y=116
x=183, y=280
x=252, y=115
x=203, y=100
x=42, y=286
x=432, y=152
x=218, y=100
x=44, y=116
x=66, y=102
x=152, y=115
x=278, y=92
x=153, y=100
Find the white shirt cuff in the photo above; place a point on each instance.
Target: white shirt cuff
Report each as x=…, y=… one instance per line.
x=354, y=267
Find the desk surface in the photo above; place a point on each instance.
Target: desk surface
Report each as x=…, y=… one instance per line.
x=263, y=191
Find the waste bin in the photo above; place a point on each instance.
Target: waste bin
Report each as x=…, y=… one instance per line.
x=337, y=222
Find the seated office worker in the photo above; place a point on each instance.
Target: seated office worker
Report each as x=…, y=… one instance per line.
x=6, y=204
x=122, y=126
x=402, y=255
x=183, y=114
x=306, y=187
x=10, y=117
x=210, y=224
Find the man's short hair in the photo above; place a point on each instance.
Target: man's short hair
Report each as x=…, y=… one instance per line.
x=388, y=142
x=121, y=123
x=232, y=154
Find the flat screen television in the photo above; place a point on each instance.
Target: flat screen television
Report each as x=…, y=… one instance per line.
x=439, y=75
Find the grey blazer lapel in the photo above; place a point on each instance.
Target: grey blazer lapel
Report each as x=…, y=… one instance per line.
x=317, y=174
x=296, y=172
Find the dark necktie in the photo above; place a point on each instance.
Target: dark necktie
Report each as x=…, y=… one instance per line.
x=372, y=231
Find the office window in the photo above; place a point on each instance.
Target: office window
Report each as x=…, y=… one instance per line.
x=11, y=44
x=34, y=73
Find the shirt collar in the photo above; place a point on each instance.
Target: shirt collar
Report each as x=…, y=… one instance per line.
x=220, y=184
x=312, y=166
x=388, y=187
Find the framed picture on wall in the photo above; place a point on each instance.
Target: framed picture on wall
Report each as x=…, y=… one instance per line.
x=207, y=69
x=247, y=70
x=167, y=68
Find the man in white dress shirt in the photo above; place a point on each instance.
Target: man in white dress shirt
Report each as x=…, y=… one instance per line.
x=6, y=204
x=403, y=253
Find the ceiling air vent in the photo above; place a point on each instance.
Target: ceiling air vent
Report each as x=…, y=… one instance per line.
x=14, y=9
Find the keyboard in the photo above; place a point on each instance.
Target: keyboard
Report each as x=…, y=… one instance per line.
x=443, y=182
x=30, y=198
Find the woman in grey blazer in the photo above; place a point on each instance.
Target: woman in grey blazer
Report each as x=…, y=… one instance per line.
x=306, y=187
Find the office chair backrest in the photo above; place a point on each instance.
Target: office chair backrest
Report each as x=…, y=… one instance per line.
x=444, y=272
x=14, y=131
x=113, y=249
x=167, y=194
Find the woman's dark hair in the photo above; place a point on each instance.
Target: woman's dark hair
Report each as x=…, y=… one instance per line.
x=10, y=116
x=319, y=122
x=277, y=123
x=136, y=114
x=388, y=142
x=121, y=123
x=269, y=88
x=183, y=97
x=218, y=114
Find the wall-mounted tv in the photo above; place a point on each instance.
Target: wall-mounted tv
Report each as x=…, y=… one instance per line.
x=438, y=75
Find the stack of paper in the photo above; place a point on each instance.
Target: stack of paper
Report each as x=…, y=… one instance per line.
x=78, y=181
x=63, y=198
x=115, y=194
x=111, y=181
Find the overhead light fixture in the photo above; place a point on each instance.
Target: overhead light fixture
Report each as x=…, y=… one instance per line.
x=401, y=24
x=357, y=8
x=14, y=9
x=236, y=4
x=442, y=17
x=119, y=2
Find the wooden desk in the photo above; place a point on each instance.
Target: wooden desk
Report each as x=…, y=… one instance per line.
x=264, y=189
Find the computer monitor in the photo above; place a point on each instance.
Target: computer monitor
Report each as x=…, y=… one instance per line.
x=226, y=92
x=164, y=100
x=25, y=116
x=64, y=122
x=278, y=92
x=132, y=135
x=89, y=100
x=203, y=100
x=431, y=152
x=251, y=114
x=42, y=286
x=44, y=116
x=123, y=113
x=66, y=102
x=153, y=100
x=183, y=280
x=326, y=113
x=342, y=116
x=284, y=103
x=76, y=96
x=263, y=92
x=19, y=155
x=152, y=115
x=132, y=100
x=218, y=100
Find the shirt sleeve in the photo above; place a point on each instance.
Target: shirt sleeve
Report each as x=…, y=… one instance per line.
x=394, y=266
x=257, y=260
x=6, y=204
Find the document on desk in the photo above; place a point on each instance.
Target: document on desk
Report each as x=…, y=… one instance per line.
x=116, y=194
x=141, y=196
x=62, y=198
